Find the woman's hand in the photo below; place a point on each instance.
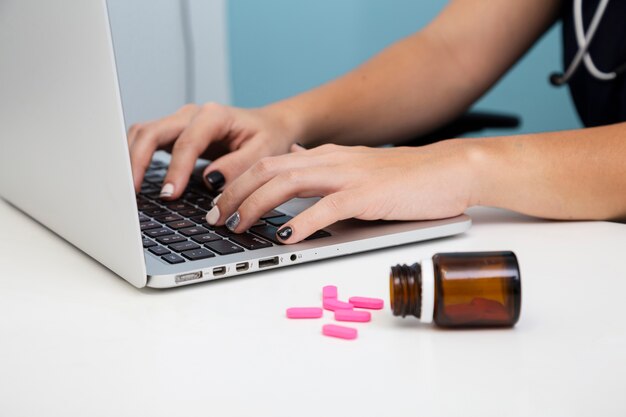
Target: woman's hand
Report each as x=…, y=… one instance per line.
x=366, y=183
x=233, y=138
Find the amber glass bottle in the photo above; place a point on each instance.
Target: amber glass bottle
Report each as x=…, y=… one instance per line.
x=473, y=289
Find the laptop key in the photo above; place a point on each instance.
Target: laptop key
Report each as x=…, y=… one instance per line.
x=197, y=254
x=249, y=241
x=159, y=232
x=147, y=243
x=159, y=250
x=209, y=237
x=166, y=218
x=180, y=206
x=192, y=212
x=156, y=164
x=191, y=197
x=154, y=178
x=205, y=203
x=192, y=231
x=148, y=188
x=318, y=234
x=272, y=213
x=146, y=205
x=223, y=247
x=279, y=221
x=143, y=219
x=199, y=220
x=223, y=231
x=155, y=212
x=173, y=258
x=168, y=240
x=267, y=231
x=183, y=246
x=176, y=205
x=180, y=224
x=149, y=225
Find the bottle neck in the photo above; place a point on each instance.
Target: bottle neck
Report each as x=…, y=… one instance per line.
x=405, y=284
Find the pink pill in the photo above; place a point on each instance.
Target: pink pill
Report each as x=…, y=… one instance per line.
x=369, y=303
x=304, y=312
x=333, y=304
x=329, y=291
x=339, y=331
x=353, y=315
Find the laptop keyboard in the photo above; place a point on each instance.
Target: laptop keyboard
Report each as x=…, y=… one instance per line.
x=177, y=231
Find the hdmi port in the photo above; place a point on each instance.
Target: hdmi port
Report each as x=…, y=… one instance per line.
x=220, y=270
x=264, y=263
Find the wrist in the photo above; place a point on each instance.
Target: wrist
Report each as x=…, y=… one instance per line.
x=291, y=121
x=467, y=163
x=487, y=171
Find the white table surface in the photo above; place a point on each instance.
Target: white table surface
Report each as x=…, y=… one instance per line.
x=76, y=340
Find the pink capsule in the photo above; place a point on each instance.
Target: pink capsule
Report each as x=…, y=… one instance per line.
x=369, y=303
x=329, y=291
x=333, y=304
x=339, y=331
x=304, y=312
x=353, y=315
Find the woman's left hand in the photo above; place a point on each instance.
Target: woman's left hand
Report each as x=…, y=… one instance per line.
x=401, y=183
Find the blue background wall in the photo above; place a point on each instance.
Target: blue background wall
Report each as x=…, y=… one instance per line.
x=282, y=47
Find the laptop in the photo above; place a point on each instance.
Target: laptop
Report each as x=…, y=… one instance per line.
x=64, y=161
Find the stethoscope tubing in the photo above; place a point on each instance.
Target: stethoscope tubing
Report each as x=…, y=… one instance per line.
x=583, y=41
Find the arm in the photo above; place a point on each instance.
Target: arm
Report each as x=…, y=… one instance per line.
x=410, y=88
x=424, y=80
x=576, y=174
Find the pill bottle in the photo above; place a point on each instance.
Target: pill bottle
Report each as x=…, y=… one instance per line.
x=473, y=289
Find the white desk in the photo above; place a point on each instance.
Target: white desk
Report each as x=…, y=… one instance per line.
x=76, y=340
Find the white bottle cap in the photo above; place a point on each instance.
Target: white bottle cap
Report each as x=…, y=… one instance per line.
x=428, y=291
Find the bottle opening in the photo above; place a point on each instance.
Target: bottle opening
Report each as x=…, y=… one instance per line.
x=405, y=286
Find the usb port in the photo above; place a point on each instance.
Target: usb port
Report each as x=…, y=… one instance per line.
x=242, y=267
x=188, y=277
x=220, y=270
x=264, y=263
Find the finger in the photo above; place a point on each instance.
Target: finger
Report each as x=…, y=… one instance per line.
x=296, y=147
x=209, y=124
x=330, y=209
x=253, y=178
x=132, y=133
x=308, y=182
x=149, y=137
x=226, y=168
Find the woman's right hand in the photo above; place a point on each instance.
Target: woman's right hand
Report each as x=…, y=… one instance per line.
x=233, y=138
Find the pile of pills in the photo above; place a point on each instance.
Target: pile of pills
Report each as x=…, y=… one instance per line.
x=344, y=312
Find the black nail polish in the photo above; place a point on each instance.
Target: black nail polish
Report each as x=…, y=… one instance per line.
x=215, y=179
x=300, y=145
x=284, y=233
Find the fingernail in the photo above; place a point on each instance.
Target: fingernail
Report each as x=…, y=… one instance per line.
x=216, y=199
x=284, y=233
x=213, y=215
x=233, y=221
x=215, y=179
x=300, y=145
x=167, y=190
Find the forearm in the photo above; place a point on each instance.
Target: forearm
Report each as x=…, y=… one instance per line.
x=577, y=174
x=409, y=88
x=424, y=80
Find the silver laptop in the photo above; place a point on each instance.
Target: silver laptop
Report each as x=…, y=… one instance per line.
x=64, y=161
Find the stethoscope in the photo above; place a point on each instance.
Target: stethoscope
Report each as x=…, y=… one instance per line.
x=584, y=42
